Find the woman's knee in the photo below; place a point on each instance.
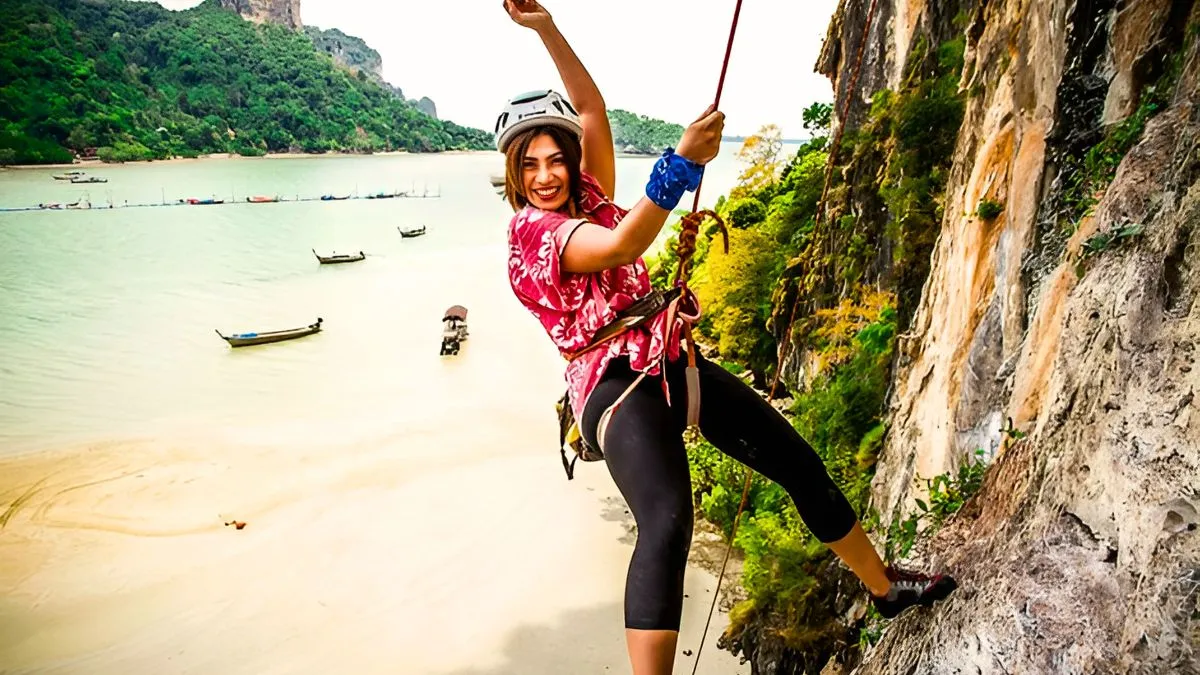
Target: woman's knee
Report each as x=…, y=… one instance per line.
x=666, y=531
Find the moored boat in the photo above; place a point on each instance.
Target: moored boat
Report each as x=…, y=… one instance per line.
x=339, y=257
x=247, y=339
x=454, y=330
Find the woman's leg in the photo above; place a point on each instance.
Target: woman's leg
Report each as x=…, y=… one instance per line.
x=644, y=451
x=736, y=419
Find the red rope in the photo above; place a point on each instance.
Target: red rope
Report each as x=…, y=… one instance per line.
x=844, y=116
x=683, y=268
x=737, y=11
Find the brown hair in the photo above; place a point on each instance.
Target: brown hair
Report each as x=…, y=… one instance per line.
x=568, y=144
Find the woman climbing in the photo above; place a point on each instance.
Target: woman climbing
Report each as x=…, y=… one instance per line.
x=574, y=263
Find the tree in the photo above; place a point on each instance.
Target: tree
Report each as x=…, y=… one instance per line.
x=760, y=152
x=736, y=294
x=817, y=117
x=743, y=213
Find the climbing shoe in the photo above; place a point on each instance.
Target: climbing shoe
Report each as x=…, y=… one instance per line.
x=912, y=588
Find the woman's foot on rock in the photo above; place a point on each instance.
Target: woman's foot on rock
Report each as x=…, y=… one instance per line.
x=912, y=588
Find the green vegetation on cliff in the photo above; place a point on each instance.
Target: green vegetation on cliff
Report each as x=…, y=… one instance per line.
x=132, y=81
x=842, y=289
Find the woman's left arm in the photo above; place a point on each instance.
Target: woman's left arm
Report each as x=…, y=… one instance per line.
x=598, y=155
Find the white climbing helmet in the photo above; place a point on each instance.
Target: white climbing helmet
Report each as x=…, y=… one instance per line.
x=534, y=109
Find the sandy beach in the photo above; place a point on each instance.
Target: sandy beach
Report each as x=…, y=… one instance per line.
x=117, y=559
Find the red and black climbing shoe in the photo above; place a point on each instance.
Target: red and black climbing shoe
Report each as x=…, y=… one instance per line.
x=912, y=588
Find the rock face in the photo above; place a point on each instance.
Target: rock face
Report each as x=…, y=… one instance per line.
x=427, y=106
x=347, y=51
x=356, y=56
x=283, y=12
x=1078, y=326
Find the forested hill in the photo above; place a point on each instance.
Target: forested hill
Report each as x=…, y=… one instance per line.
x=639, y=134
x=131, y=80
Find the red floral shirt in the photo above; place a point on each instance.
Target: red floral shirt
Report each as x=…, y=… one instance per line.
x=572, y=307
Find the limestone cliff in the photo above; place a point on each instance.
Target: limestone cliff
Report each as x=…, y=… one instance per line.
x=356, y=56
x=348, y=51
x=427, y=106
x=1053, y=324
x=283, y=12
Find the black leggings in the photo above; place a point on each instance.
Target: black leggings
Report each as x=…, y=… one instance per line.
x=645, y=454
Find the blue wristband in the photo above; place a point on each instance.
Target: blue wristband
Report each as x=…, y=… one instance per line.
x=671, y=177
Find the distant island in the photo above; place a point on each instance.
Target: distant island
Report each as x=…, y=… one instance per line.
x=126, y=81
x=635, y=134
x=742, y=139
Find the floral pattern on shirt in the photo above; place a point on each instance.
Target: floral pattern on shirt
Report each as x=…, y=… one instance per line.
x=572, y=307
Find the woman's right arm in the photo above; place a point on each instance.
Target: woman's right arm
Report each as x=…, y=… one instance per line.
x=592, y=248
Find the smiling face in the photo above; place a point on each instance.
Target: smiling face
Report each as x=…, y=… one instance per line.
x=542, y=169
x=544, y=174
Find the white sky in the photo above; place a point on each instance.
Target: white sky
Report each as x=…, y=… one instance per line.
x=660, y=58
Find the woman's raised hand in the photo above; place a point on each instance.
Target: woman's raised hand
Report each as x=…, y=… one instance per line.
x=528, y=13
x=702, y=140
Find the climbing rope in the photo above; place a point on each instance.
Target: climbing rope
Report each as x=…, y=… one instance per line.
x=844, y=115
x=830, y=162
x=689, y=229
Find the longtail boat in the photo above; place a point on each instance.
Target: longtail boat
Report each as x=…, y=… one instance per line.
x=339, y=257
x=246, y=339
x=454, y=329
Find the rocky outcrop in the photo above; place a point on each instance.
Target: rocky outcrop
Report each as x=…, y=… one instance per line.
x=1085, y=533
x=349, y=52
x=426, y=105
x=1060, y=336
x=283, y=12
x=356, y=56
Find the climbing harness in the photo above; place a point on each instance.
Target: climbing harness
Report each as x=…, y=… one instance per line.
x=679, y=304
